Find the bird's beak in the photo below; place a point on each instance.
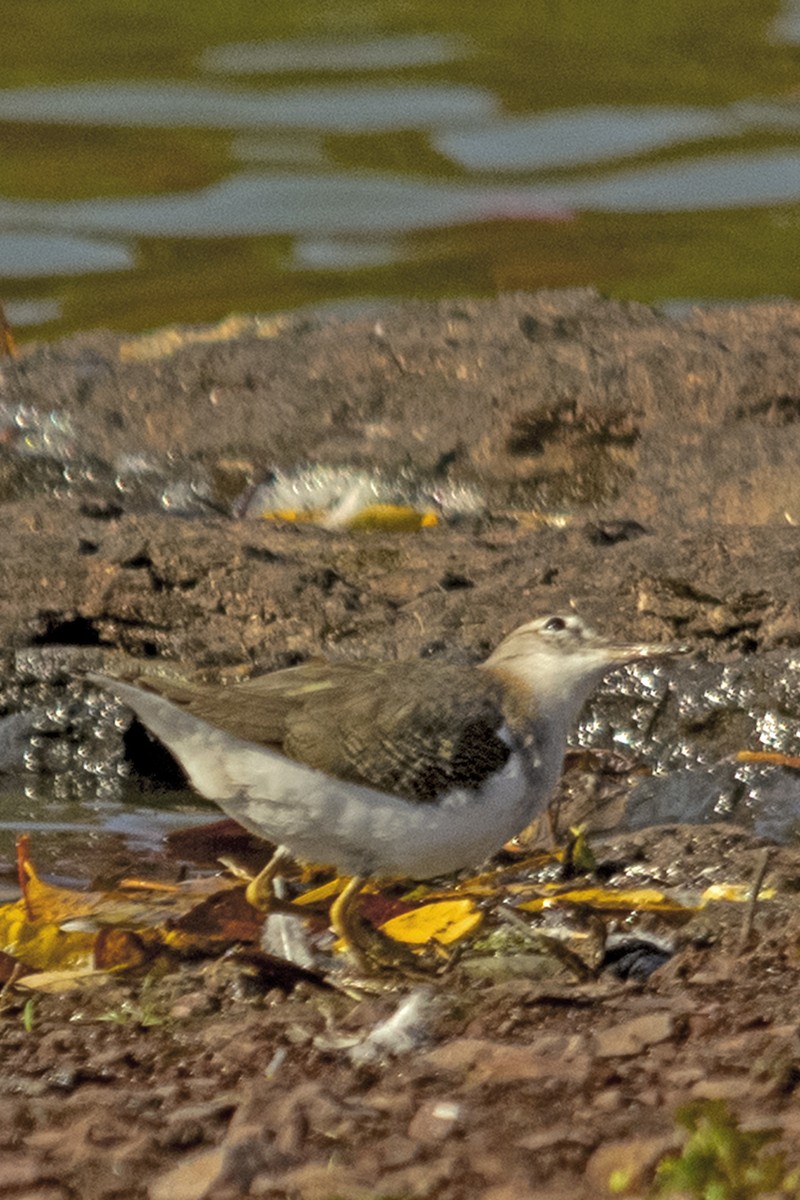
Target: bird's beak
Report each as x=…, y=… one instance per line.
x=621, y=652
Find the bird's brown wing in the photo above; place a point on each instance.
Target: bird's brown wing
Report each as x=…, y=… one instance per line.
x=417, y=730
x=258, y=710
x=414, y=729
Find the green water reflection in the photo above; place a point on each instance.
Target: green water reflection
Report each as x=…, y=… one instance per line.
x=166, y=164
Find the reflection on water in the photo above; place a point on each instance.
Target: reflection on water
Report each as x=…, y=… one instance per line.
x=570, y=138
x=373, y=54
x=83, y=841
x=360, y=108
x=27, y=255
x=323, y=151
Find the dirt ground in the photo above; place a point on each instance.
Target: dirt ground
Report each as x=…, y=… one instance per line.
x=641, y=467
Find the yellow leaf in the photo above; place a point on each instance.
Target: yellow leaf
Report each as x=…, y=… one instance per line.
x=301, y=515
x=40, y=943
x=607, y=899
x=390, y=517
x=445, y=921
x=739, y=893
x=55, y=904
x=386, y=518
x=54, y=929
x=64, y=981
x=324, y=892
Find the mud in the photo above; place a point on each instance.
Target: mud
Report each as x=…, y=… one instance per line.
x=641, y=467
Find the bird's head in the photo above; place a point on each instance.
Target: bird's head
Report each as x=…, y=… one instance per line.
x=561, y=658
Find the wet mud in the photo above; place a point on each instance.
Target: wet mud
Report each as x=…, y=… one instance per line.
x=574, y=451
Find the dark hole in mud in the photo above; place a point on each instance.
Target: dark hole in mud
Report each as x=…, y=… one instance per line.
x=154, y=765
x=76, y=632
x=775, y=411
x=262, y=554
x=453, y=581
x=284, y=658
x=535, y=330
x=432, y=649
x=609, y=533
x=85, y=547
x=530, y=327
x=531, y=434
x=565, y=328
x=447, y=460
x=325, y=578
x=102, y=510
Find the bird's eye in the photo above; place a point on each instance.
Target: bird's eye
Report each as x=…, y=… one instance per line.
x=555, y=624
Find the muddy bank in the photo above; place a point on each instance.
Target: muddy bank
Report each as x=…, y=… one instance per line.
x=666, y=449
x=574, y=450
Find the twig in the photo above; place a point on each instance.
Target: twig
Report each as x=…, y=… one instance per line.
x=750, y=911
x=549, y=946
x=16, y=971
x=7, y=344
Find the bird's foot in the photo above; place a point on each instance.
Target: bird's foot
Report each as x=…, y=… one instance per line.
x=369, y=950
x=260, y=890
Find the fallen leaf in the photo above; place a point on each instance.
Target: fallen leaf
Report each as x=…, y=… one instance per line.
x=326, y=891
x=737, y=893
x=389, y=518
x=770, y=757
x=56, y=982
x=608, y=899
x=445, y=921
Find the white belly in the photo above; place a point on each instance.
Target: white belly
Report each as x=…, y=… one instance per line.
x=362, y=831
x=357, y=829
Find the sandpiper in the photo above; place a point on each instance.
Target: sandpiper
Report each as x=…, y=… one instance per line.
x=398, y=769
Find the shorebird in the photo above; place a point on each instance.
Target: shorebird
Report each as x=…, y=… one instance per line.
x=388, y=769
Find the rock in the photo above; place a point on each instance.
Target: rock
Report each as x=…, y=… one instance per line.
x=631, y=1037
x=626, y=1166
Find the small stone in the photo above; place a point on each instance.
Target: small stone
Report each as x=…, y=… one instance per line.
x=313, y=1181
x=609, y=1100
x=457, y=1055
x=632, y=1037
x=683, y=1077
x=434, y=1121
x=499, y=1062
x=14, y=1120
x=627, y=1165
x=191, y=1179
x=397, y=1151
x=520, y=1185
x=19, y=1173
x=730, y=1088
x=194, y=1004
x=556, y=1135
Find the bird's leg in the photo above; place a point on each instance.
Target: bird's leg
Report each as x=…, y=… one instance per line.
x=344, y=921
x=259, y=891
x=370, y=950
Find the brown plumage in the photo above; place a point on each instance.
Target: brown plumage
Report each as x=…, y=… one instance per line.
x=433, y=728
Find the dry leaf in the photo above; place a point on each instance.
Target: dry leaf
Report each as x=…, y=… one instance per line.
x=608, y=900
x=445, y=921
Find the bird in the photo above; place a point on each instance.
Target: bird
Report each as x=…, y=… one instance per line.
x=410, y=769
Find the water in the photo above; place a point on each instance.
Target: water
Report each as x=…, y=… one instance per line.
x=73, y=839
x=165, y=164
